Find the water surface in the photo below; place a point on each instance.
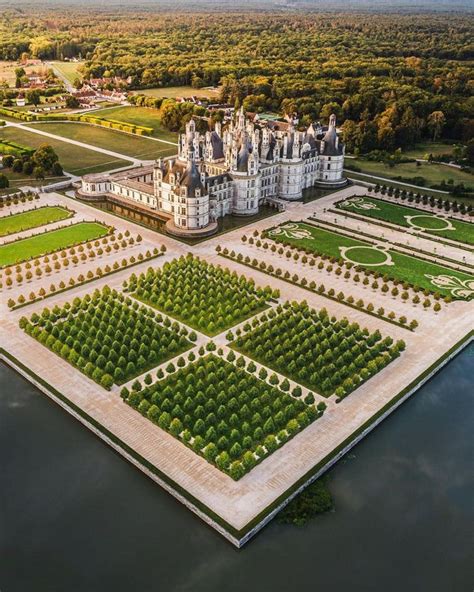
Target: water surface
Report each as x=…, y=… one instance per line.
x=76, y=517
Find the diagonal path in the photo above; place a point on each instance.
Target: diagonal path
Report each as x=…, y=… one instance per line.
x=116, y=155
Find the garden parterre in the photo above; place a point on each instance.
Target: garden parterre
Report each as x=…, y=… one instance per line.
x=435, y=224
x=207, y=297
x=32, y=219
x=48, y=242
x=321, y=353
x=379, y=259
x=107, y=336
x=223, y=412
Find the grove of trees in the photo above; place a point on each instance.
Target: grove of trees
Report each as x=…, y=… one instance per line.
x=107, y=336
x=322, y=353
x=223, y=413
x=41, y=162
x=392, y=79
x=207, y=297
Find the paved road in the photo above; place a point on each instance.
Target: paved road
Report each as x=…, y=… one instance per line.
x=60, y=75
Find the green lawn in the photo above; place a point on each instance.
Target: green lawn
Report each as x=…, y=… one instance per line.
x=32, y=219
x=18, y=180
x=423, y=148
x=74, y=159
x=145, y=116
x=69, y=70
x=403, y=267
x=126, y=144
x=51, y=241
x=398, y=213
x=171, y=92
x=433, y=173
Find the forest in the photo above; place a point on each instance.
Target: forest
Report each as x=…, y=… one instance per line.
x=391, y=79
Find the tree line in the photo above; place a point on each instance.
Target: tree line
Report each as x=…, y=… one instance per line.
x=391, y=79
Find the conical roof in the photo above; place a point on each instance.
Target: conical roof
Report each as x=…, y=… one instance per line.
x=243, y=158
x=191, y=179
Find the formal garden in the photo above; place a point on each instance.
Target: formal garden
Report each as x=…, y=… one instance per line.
x=436, y=224
x=32, y=219
x=331, y=293
x=327, y=355
x=223, y=412
x=377, y=258
x=107, y=336
x=207, y=297
x=47, y=242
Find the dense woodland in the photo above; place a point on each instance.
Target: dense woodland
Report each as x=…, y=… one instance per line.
x=391, y=79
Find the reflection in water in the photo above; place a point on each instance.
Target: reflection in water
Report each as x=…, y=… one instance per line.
x=76, y=517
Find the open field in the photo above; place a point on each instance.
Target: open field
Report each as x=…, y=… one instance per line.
x=145, y=116
x=74, y=159
x=7, y=71
x=409, y=217
x=32, y=219
x=171, y=92
x=432, y=173
x=376, y=258
x=126, y=144
x=68, y=69
x=424, y=148
x=47, y=242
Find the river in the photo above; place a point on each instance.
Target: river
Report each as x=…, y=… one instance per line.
x=76, y=517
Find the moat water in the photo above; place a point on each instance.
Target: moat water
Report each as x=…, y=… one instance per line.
x=76, y=517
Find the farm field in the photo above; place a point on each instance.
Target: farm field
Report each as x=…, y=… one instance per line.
x=126, y=144
x=32, y=219
x=171, y=92
x=47, y=242
x=145, y=116
x=74, y=159
x=433, y=173
x=382, y=259
x=69, y=70
x=204, y=296
x=409, y=217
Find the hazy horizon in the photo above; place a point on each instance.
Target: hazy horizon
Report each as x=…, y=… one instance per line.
x=259, y=5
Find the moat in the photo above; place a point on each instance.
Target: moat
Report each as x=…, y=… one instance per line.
x=76, y=516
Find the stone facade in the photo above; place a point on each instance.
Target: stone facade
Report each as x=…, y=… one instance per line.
x=231, y=171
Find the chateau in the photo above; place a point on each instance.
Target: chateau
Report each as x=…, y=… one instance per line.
x=227, y=171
